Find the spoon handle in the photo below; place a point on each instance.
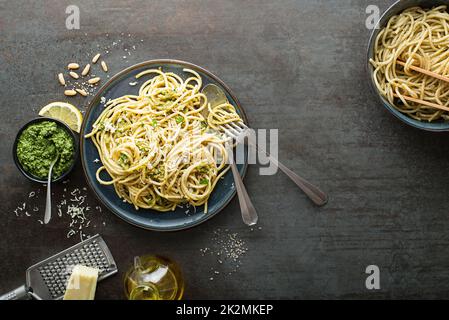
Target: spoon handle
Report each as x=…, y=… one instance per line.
x=249, y=213
x=47, y=216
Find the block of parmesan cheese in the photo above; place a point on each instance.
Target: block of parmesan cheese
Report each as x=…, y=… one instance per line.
x=82, y=283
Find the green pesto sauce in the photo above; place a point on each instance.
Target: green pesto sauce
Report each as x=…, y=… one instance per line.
x=37, y=145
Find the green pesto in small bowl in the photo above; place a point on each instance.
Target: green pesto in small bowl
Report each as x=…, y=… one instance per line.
x=38, y=145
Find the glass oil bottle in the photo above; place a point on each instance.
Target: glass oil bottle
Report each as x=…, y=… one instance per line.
x=154, y=277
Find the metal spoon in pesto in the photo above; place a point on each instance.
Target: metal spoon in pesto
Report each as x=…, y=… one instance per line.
x=47, y=216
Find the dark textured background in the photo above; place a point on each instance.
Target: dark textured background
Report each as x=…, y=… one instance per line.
x=295, y=65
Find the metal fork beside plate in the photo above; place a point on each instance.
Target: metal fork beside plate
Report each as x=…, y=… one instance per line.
x=235, y=130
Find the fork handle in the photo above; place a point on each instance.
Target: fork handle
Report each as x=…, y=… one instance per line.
x=313, y=192
x=249, y=213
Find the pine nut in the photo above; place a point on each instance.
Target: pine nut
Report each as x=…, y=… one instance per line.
x=61, y=79
x=70, y=93
x=74, y=75
x=94, y=80
x=95, y=59
x=73, y=66
x=104, y=66
x=86, y=70
x=82, y=92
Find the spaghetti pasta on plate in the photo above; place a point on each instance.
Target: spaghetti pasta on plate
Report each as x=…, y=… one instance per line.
x=158, y=147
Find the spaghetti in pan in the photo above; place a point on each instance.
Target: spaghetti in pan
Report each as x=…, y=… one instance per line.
x=416, y=37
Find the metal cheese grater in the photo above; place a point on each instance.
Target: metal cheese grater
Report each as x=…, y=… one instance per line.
x=47, y=280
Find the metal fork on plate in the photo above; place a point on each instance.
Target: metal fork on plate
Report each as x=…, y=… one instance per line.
x=237, y=129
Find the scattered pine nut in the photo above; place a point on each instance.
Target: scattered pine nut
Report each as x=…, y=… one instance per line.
x=94, y=80
x=104, y=66
x=61, y=79
x=74, y=75
x=86, y=70
x=73, y=66
x=82, y=92
x=70, y=93
x=95, y=59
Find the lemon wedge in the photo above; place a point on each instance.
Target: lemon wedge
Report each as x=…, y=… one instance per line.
x=65, y=112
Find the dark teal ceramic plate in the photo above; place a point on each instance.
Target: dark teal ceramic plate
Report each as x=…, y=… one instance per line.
x=149, y=219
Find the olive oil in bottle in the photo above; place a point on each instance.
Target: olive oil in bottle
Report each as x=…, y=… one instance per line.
x=154, y=278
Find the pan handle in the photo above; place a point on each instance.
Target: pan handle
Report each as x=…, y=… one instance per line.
x=21, y=293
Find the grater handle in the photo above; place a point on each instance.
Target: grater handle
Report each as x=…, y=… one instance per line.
x=21, y=293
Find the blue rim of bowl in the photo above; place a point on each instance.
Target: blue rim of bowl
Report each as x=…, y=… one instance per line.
x=62, y=125
x=396, y=8
x=96, y=98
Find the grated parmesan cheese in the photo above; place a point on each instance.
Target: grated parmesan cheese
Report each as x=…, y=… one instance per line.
x=73, y=204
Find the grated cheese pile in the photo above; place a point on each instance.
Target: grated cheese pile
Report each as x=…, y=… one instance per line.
x=228, y=248
x=71, y=206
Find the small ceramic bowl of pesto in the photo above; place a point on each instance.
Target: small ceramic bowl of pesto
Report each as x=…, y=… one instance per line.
x=38, y=143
